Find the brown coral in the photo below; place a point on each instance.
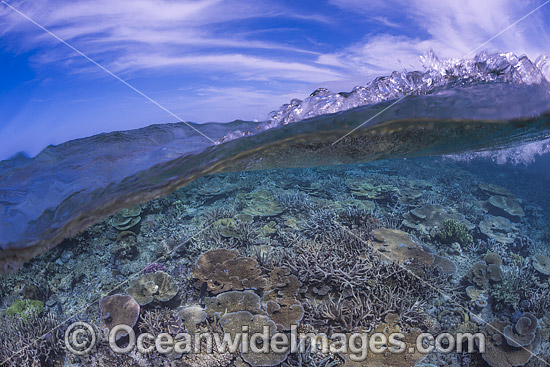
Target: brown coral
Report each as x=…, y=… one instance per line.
x=498, y=228
x=541, y=263
x=158, y=286
x=399, y=247
x=116, y=310
x=432, y=216
x=233, y=301
x=499, y=353
x=482, y=273
x=236, y=322
x=223, y=270
x=506, y=206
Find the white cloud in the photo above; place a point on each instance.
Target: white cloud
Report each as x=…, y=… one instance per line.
x=128, y=36
x=453, y=28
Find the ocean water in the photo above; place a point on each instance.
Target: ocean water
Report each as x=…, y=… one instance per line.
x=418, y=203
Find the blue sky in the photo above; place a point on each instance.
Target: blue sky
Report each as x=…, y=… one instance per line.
x=219, y=60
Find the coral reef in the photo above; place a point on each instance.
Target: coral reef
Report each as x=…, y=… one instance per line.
x=31, y=341
x=149, y=287
x=454, y=231
x=25, y=308
x=499, y=353
x=362, y=248
x=223, y=270
x=116, y=310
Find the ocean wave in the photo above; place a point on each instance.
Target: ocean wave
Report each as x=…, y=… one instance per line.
x=490, y=104
x=439, y=74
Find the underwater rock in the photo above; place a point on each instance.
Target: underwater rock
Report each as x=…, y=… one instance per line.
x=541, y=263
x=233, y=323
x=126, y=218
x=498, y=353
x=32, y=292
x=498, y=228
x=223, y=270
x=158, y=286
x=507, y=207
x=432, y=216
x=116, y=310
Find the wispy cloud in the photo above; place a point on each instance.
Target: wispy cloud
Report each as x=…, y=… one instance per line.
x=217, y=60
x=161, y=33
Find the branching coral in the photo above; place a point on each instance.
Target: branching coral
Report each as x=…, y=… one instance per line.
x=31, y=341
x=362, y=287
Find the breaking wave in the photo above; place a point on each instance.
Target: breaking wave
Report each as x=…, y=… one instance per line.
x=458, y=108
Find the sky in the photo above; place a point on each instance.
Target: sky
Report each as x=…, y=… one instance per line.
x=221, y=60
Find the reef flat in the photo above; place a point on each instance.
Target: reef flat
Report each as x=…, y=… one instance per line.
x=410, y=245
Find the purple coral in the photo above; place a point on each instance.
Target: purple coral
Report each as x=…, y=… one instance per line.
x=153, y=268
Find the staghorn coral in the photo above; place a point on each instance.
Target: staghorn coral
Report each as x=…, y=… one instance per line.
x=31, y=341
x=362, y=287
